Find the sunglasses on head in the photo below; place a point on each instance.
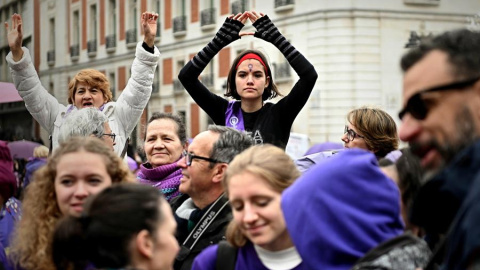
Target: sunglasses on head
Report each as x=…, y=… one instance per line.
x=416, y=105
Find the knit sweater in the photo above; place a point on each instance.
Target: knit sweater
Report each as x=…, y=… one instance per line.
x=165, y=178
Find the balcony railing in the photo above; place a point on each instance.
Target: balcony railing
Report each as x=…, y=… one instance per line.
x=177, y=86
x=111, y=42
x=179, y=25
x=239, y=6
x=155, y=87
x=92, y=47
x=207, y=18
x=131, y=36
x=281, y=71
x=51, y=57
x=75, y=51
x=284, y=4
x=207, y=80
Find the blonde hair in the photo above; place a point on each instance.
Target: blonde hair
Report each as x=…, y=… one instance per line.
x=40, y=151
x=269, y=163
x=377, y=127
x=93, y=78
x=31, y=247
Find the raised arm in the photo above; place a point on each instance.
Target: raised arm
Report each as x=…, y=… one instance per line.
x=229, y=32
x=15, y=36
x=135, y=96
x=291, y=105
x=189, y=74
x=149, y=25
x=41, y=105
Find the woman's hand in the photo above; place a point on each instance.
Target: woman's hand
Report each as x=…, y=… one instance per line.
x=266, y=30
x=15, y=37
x=241, y=17
x=149, y=25
x=253, y=16
x=230, y=29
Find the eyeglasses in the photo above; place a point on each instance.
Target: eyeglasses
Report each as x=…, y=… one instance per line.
x=417, y=107
x=190, y=157
x=112, y=135
x=351, y=134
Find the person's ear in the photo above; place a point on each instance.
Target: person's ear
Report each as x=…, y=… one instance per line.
x=144, y=243
x=220, y=169
x=267, y=81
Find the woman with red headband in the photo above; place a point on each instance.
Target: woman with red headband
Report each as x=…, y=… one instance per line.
x=250, y=83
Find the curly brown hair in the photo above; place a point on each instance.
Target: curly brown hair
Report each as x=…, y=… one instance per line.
x=31, y=247
x=93, y=78
x=269, y=163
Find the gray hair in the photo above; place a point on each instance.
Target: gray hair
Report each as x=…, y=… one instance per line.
x=83, y=122
x=181, y=129
x=230, y=143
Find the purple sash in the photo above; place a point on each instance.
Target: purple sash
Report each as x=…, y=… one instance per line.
x=234, y=116
x=71, y=107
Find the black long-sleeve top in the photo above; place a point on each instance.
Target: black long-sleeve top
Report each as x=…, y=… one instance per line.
x=272, y=123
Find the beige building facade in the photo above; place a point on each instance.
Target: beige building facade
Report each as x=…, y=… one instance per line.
x=355, y=46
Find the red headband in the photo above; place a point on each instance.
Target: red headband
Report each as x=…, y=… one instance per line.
x=252, y=56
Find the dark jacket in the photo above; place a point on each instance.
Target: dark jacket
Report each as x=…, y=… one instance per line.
x=213, y=234
x=448, y=203
x=402, y=252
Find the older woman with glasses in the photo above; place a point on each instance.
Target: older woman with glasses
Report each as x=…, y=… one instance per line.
x=371, y=129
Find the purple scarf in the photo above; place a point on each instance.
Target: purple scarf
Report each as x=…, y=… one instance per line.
x=165, y=178
x=234, y=116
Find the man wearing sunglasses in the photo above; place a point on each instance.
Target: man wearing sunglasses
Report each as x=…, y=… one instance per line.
x=441, y=122
x=202, y=212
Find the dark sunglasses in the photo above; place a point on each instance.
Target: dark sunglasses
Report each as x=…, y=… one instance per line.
x=190, y=157
x=416, y=105
x=351, y=134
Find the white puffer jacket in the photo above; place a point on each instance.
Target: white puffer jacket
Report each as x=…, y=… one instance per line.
x=123, y=114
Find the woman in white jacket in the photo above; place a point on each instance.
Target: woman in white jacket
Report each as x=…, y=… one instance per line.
x=89, y=88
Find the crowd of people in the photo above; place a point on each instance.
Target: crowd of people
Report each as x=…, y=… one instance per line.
x=231, y=198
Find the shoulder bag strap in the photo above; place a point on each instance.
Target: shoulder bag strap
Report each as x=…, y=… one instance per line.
x=226, y=256
x=201, y=227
